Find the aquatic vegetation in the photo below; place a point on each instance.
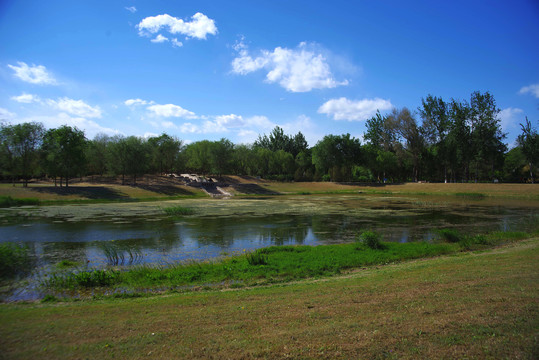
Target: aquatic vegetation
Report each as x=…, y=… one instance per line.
x=65, y=264
x=14, y=259
x=117, y=254
x=88, y=279
x=178, y=211
x=450, y=235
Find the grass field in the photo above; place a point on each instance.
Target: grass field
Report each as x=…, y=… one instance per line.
x=155, y=188
x=470, y=305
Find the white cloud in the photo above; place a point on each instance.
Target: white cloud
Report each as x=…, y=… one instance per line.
x=199, y=27
x=354, y=110
x=90, y=127
x=176, y=43
x=159, y=39
x=532, y=89
x=35, y=74
x=75, y=107
x=297, y=70
x=168, y=125
x=26, y=98
x=135, y=102
x=507, y=117
x=189, y=128
x=131, y=9
x=171, y=110
x=6, y=115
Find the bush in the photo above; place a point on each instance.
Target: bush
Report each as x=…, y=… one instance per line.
x=8, y=201
x=371, y=239
x=450, y=235
x=13, y=259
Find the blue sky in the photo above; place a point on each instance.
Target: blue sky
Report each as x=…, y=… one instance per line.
x=212, y=69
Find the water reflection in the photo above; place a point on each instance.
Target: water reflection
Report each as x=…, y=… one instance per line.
x=125, y=242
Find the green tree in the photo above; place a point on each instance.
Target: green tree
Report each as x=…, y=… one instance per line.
x=164, y=152
x=514, y=167
x=435, y=128
x=529, y=143
x=97, y=154
x=486, y=135
x=129, y=156
x=336, y=155
x=20, y=145
x=64, y=151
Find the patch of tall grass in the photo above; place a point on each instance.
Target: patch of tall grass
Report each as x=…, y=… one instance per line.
x=14, y=259
x=471, y=195
x=83, y=279
x=178, y=211
x=8, y=201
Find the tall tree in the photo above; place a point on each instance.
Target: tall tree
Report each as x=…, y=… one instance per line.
x=64, y=150
x=97, y=154
x=21, y=144
x=435, y=128
x=529, y=142
x=406, y=127
x=486, y=134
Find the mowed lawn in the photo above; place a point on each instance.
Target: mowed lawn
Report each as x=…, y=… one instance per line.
x=470, y=305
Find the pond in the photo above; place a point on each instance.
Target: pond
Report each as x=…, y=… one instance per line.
x=101, y=236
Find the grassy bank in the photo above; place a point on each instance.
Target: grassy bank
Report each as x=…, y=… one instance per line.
x=275, y=264
x=473, y=305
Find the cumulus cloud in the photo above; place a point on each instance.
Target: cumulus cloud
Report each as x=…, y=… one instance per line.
x=176, y=43
x=26, y=98
x=199, y=27
x=131, y=9
x=75, y=107
x=35, y=74
x=171, y=110
x=532, y=89
x=297, y=70
x=353, y=110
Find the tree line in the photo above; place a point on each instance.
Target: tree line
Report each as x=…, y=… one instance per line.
x=454, y=141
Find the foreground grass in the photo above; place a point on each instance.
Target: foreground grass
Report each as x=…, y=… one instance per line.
x=473, y=305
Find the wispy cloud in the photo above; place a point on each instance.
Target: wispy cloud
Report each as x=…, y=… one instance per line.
x=131, y=9
x=34, y=74
x=353, y=110
x=297, y=70
x=532, y=89
x=26, y=98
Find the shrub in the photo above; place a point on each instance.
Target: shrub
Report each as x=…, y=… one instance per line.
x=450, y=235
x=371, y=239
x=256, y=258
x=8, y=201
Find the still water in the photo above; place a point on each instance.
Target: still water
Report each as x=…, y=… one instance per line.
x=161, y=240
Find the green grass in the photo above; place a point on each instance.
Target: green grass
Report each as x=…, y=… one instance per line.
x=479, y=305
x=178, y=211
x=277, y=264
x=267, y=265
x=14, y=259
x=8, y=201
x=67, y=264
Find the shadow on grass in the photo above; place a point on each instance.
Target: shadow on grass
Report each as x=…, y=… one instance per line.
x=89, y=192
x=253, y=189
x=169, y=190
